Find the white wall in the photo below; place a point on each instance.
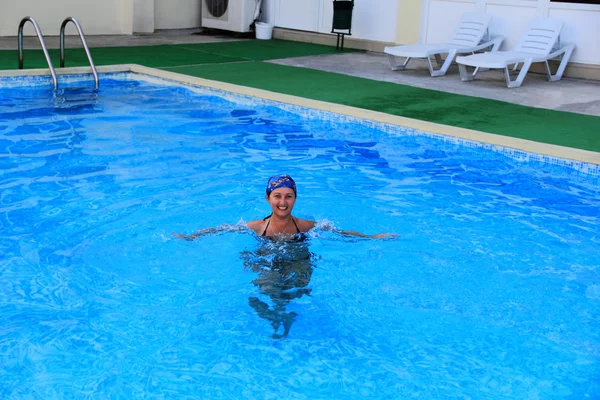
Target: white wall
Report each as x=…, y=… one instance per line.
x=371, y=20
x=96, y=17
x=582, y=27
x=177, y=14
x=100, y=17
x=143, y=16
x=511, y=17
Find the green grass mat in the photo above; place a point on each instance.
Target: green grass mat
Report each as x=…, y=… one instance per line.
x=168, y=55
x=151, y=56
x=263, y=49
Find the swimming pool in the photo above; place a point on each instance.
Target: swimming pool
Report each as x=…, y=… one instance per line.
x=492, y=290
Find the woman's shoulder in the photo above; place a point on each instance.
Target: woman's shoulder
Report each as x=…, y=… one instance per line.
x=256, y=224
x=304, y=225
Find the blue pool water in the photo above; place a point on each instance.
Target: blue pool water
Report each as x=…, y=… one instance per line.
x=492, y=291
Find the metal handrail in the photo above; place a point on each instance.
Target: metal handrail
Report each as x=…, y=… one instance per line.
x=85, y=46
x=42, y=43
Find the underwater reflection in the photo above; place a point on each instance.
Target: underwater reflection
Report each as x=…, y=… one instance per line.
x=284, y=270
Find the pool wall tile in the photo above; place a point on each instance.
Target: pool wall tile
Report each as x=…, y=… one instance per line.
x=585, y=168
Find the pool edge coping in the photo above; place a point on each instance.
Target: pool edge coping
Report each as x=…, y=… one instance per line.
x=530, y=146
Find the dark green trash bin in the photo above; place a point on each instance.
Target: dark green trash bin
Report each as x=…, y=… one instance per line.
x=342, y=20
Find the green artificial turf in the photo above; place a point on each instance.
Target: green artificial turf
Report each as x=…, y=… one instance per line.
x=150, y=56
x=260, y=50
x=168, y=55
x=241, y=63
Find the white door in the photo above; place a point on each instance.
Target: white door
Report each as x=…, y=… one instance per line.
x=294, y=14
x=371, y=19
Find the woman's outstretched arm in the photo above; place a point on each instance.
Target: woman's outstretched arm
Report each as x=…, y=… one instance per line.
x=358, y=234
x=239, y=227
x=327, y=226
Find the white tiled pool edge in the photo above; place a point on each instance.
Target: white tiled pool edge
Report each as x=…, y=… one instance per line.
x=446, y=130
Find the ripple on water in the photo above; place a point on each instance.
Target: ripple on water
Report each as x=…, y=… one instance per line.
x=491, y=290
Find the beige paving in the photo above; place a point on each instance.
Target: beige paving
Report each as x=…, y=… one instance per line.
x=573, y=95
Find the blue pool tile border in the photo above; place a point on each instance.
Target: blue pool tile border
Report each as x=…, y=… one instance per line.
x=585, y=168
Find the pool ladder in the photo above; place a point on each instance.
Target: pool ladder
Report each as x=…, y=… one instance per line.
x=62, y=47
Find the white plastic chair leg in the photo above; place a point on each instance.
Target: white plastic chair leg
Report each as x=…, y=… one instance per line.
x=465, y=76
x=565, y=54
x=394, y=64
x=519, y=80
x=444, y=68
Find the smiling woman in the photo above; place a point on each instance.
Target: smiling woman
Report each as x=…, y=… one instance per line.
x=281, y=195
x=282, y=260
x=280, y=224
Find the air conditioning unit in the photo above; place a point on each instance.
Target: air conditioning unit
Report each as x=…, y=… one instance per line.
x=229, y=15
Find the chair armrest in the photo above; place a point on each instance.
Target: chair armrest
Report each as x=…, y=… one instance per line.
x=493, y=42
x=566, y=48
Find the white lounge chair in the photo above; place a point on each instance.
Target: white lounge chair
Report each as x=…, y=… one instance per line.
x=470, y=36
x=540, y=44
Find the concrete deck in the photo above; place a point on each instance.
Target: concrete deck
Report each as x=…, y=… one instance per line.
x=568, y=94
x=573, y=95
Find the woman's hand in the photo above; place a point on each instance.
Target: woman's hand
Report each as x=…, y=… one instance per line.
x=348, y=233
x=384, y=235
x=184, y=236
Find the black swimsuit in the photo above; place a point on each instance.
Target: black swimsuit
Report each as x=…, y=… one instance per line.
x=298, y=236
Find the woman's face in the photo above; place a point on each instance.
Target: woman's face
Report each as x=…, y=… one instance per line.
x=282, y=201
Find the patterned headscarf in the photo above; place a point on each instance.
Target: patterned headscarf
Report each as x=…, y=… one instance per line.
x=280, y=181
